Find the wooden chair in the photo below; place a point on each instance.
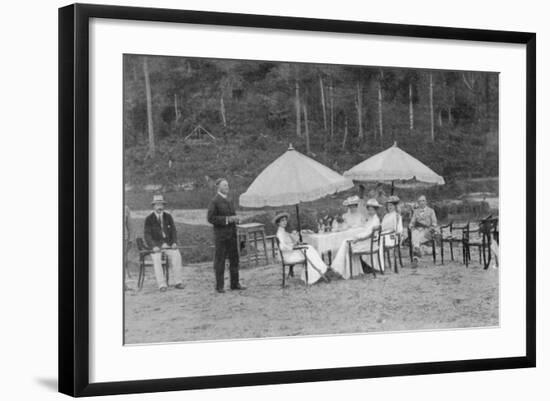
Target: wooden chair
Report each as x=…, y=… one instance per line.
x=273, y=241
x=145, y=261
x=495, y=229
x=374, y=239
x=489, y=231
x=291, y=265
x=250, y=234
x=475, y=237
x=430, y=243
x=453, y=236
x=127, y=246
x=396, y=247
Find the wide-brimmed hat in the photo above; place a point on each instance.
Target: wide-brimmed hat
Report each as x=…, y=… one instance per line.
x=158, y=199
x=279, y=216
x=393, y=199
x=372, y=203
x=352, y=200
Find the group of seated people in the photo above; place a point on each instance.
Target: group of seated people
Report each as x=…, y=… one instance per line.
x=361, y=219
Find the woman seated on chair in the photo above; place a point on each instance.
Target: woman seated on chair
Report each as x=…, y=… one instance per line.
x=392, y=221
x=353, y=218
x=361, y=242
x=292, y=253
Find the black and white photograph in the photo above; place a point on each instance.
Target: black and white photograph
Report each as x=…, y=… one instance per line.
x=270, y=199
x=275, y=200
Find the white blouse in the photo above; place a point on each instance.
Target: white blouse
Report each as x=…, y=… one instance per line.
x=392, y=222
x=353, y=220
x=371, y=224
x=286, y=242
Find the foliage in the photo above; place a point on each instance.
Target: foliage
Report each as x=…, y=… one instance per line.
x=249, y=106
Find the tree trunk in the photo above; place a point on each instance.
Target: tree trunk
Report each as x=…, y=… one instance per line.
x=176, y=109
x=345, y=134
x=411, y=109
x=432, y=132
x=440, y=118
x=380, y=112
x=222, y=110
x=151, y=134
x=449, y=111
x=487, y=98
x=331, y=92
x=297, y=101
x=359, y=105
x=469, y=80
x=323, y=104
x=306, y=124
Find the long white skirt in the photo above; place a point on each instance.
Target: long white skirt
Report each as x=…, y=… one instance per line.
x=341, y=263
x=315, y=264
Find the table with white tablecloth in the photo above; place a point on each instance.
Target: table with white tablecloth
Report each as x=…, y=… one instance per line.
x=329, y=242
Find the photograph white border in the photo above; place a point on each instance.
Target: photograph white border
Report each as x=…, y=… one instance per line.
x=110, y=360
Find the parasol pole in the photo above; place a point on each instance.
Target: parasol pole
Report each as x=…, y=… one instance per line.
x=299, y=224
x=392, y=187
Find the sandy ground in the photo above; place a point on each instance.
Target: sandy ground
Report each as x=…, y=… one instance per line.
x=430, y=297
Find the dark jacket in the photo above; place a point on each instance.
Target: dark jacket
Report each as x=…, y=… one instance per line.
x=153, y=232
x=218, y=210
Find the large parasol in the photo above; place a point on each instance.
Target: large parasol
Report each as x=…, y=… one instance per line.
x=290, y=179
x=392, y=165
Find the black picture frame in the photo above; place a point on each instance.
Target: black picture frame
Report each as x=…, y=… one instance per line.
x=74, y=198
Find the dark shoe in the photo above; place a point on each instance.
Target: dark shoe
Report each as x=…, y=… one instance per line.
x=238, y=287
x=180, y=286
x=369, y=270
x=220, y=290
x=365, y=266
x=163, y=289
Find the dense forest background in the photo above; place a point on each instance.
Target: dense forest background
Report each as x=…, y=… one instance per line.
x=338, y=114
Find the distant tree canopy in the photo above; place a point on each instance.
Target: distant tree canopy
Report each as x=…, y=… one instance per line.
x=340, y=114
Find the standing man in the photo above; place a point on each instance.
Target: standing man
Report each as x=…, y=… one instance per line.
x=161, y=236
x=221, y=214
x=422, y=225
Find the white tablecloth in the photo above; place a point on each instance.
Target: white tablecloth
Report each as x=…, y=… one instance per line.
x=330, y=241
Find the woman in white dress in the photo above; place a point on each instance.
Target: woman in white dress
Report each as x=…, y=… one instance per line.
x=392, y=221
x=315, y=265
x=361, y=242
x=353, y=218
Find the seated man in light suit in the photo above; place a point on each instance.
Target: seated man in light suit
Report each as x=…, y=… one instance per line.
x=161, y=236
x=422, y=225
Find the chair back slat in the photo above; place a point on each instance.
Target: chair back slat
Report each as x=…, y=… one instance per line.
x=280, y=251
x=444, y=226
x=279, y=248
x=375, y=239
x=389, y=234
x=140, y=243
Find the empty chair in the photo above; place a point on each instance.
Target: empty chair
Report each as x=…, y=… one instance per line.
x=475, y=237
x=451, y=234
